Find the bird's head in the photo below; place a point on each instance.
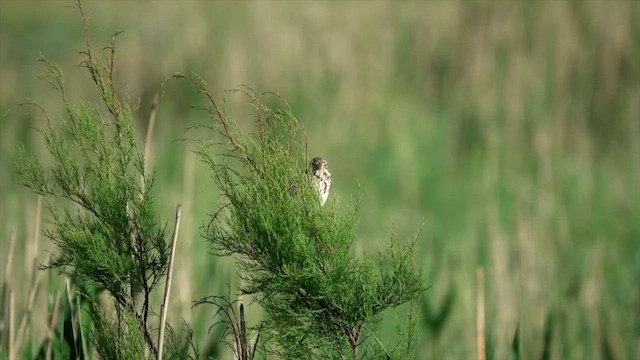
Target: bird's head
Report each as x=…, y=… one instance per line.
x=318, y=163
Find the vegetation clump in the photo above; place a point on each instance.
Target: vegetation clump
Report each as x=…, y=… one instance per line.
x=295, y=257
x=111, y=239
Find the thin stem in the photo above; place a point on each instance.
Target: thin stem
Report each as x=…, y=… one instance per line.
x=243, y=334
x=11, y=349
x=9, y=263
x=147, y=141
x=480, y=322
x=36, y=277
x=29, y=311
x=167, y=288
x=52, y=325
x=74, y=324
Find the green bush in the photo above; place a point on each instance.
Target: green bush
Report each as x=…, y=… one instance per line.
x=296, y=257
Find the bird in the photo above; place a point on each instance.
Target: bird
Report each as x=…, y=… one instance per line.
x=321, y=178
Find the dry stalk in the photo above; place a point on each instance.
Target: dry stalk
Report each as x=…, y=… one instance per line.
x=36, y=235
x=9, y=263
x=167, y=287
x=5, y=285
x=12, y=300
x=52, y=324
x=147, y=140
x=35, y=284
x=27, y=316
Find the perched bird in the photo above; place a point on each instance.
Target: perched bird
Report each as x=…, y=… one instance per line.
x=321, y=178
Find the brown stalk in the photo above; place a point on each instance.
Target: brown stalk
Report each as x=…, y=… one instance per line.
x=354, y=336
x=167, y=287
x=36, y=232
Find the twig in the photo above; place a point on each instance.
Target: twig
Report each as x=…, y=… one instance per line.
x=255, y=346
x=105, y=89
x=215, y=112
x=167, y=287
x=480, y=320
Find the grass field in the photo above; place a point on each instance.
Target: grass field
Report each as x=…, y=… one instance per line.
x=509, y=132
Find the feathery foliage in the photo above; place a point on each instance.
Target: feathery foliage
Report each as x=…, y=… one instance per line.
x=111, y=240
x=296, y=257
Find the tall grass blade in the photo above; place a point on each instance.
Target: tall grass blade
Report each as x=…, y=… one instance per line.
x=516, y=347
x=548, y=336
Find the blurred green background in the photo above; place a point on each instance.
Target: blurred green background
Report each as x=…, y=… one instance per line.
x=510, y=131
